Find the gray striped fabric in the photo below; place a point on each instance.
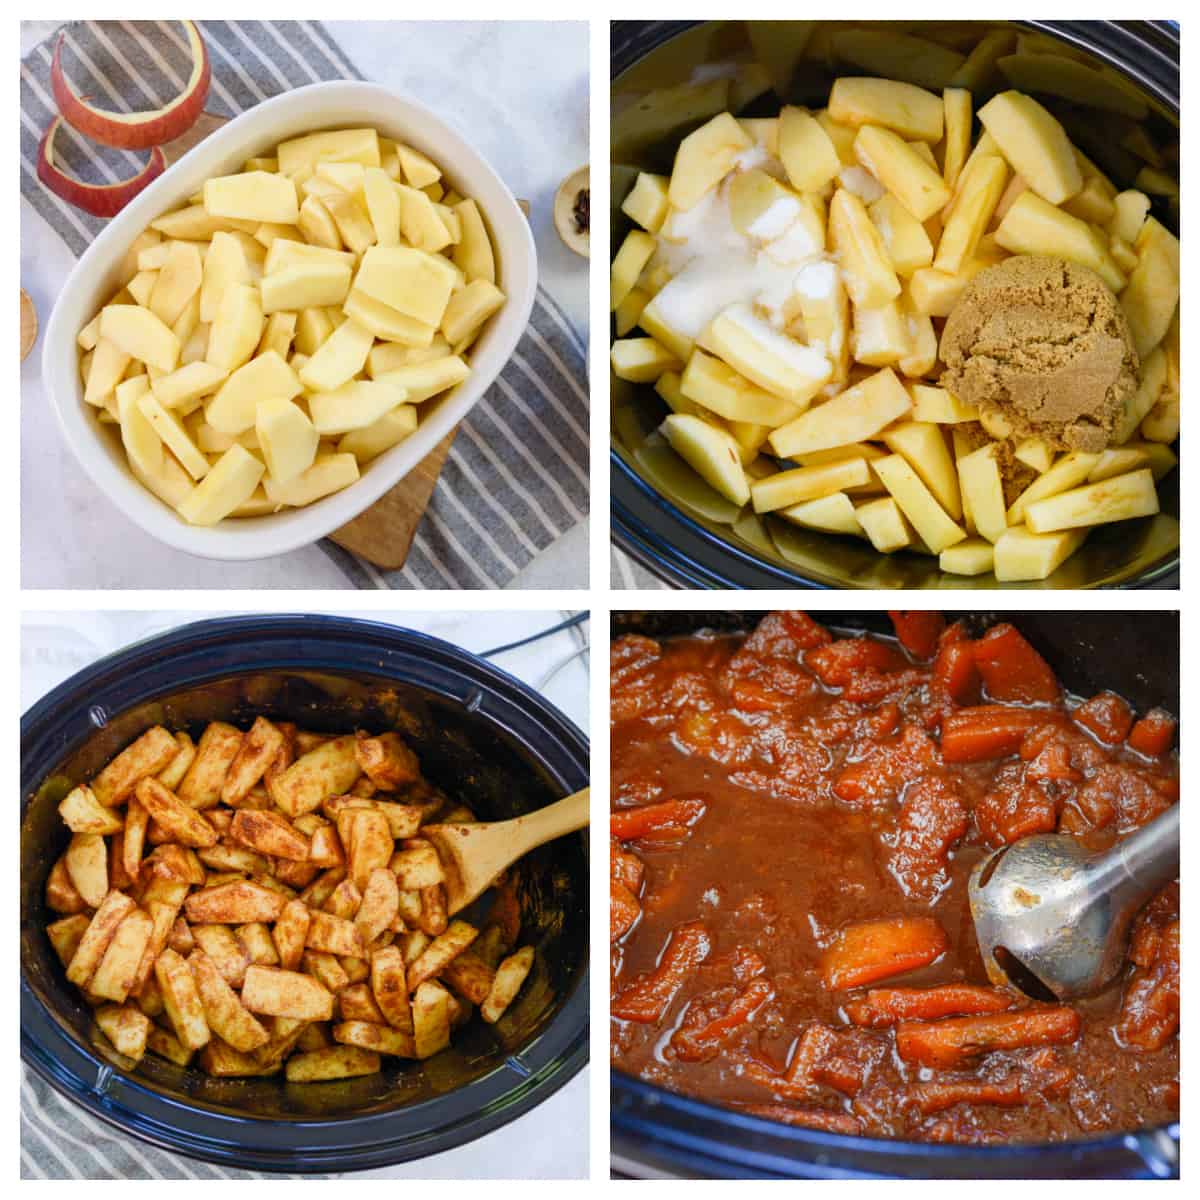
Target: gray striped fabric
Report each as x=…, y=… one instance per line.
x=516, y=478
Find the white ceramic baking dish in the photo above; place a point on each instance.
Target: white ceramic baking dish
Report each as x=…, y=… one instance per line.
x=305, y=110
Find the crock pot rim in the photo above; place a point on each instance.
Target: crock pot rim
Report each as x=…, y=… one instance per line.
x=675, y=567
x=652, y=1098
x=546, y=1063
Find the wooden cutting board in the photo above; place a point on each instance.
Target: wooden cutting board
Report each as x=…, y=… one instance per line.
x=383, y=534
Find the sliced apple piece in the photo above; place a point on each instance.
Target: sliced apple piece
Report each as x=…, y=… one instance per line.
x=305, y=285
x=355, y=405
x=173, y=435
x=924, y=448
x=473, y=254
x=647, y=201
x=1068, y=472
x=336, y=145
x=1023, y=556
x=390, y=430
x=287, y=437
x=786, y=488
x=808, y=155
x=718, y=387
x=830, y=514
x=327, y=475
x=905, y=173
x=973, y=209
x=187, y=383
x=1120, y=498
x=869, y=275
x=177, y=282
x=904, y=237
x=237, y=327
x=975, y=556
x=224, y=265
x=704, y=158
x=1032, y=226
x=880, y=336
x=1034, y=143
x=386, y=323
x=910, y=111
x=252, y=196
x=766, y=357
x=884, y=524
x=342, y=356
x=856, y=415
x=414, y=283
x=232, y=409
x=641, y=360
x=108, y=365
x=231, y=482
x=710, y=452
x=627, y=264
x=139, y=333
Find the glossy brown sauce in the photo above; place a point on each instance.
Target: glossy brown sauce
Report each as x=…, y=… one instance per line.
x=778, y=865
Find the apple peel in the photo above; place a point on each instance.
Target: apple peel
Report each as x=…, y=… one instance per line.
x=100, y=201
x=140, y=130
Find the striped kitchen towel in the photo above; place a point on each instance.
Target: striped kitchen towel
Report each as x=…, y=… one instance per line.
x=516, y=478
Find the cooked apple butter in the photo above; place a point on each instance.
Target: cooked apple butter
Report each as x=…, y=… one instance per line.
x=794, y=818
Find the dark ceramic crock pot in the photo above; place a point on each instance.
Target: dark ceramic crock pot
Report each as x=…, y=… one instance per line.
x=691, y=543
x=482, y=735
x=657, y=1134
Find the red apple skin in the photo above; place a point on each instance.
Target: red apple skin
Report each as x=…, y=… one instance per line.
x=104, y=201
x=141, y=131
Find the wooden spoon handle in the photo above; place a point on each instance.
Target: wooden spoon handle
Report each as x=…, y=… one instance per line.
x=562, y=817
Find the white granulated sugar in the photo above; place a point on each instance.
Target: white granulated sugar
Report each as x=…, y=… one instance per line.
x=817, y=280
x=794, y=246
x=779, y=216
x=862, y=183
x=807, y=360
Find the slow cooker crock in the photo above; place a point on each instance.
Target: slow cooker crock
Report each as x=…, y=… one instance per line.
x=482, y=735
x=657, y=1134
x=682, y=543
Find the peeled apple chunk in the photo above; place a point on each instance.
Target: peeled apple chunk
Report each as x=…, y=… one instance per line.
x=1035, y=145
x=326, y=476
x=911, y=111
x=704, y=158
x=353, y=406
x=710, y=452
x=286, y=437
x=1117, y=499
x=139, y=333
x=230, y=483
x=253, y=196
x=232, y=410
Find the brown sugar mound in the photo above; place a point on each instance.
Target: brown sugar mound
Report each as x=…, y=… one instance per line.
x=1044, y=344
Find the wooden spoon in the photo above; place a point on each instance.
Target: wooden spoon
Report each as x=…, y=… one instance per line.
x=473, y=855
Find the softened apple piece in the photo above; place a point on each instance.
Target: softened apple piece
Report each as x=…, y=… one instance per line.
x=718, y=387
x=1120, y=498
x=704, y=158
x=230, y=483
x=808, y=483
x=232, y=409
x=808, y=155
x=252, y=196
x=905, y=173
x=341, y=357
x=856, y=415
x=910, y=111
x=766, y=357
x=647, y=201
x=327, y=475
x=286, y=436
x=355, y=405
x=935, y=528
x=188, y=383
x=1032, y=226
x=831, y=514
x=884, y=524
x=177, y=282
x=305, y=285
x=237, y=327
x=870, y=278
x=174, y=436
x=391, y=429
x=634, y=254
x=337, y=145
x=415, y=284
x=710, y=452
x=923, y=446
x=137, y=332
x=1022, y=556
x=420, y=381
x=1035, y=144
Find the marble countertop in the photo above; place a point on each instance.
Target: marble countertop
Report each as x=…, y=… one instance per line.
x=519, y=91
x=55, y=645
